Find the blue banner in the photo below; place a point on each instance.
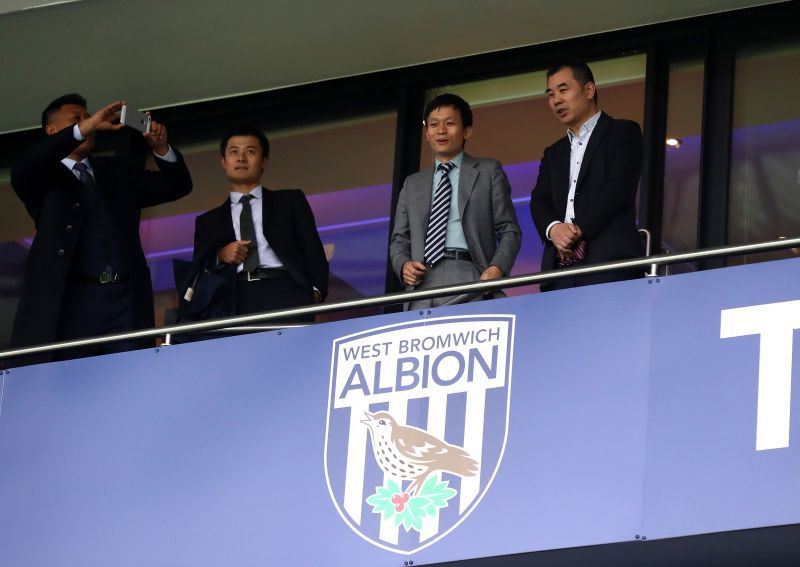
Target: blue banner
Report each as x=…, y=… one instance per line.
x=643, y=409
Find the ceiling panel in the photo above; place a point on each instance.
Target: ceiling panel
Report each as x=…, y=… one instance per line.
x=155, y=53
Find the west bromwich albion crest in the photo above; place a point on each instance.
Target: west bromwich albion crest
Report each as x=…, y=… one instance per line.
x=417, y=425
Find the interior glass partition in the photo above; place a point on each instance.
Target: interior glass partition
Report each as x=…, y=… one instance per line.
x=765, y=150
x=682, y=160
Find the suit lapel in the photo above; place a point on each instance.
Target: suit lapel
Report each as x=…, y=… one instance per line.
x=99, y=171
x=224, y=219
x=466, y=182
x=103, y=173
x=561, y=172
x=71, y=180
x=598, y=134
x=276, y=238
x=424, y=192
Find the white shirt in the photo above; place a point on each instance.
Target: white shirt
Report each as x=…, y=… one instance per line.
x=577, y=148
x=266, y=255
x=70, y=164
x=454, y=237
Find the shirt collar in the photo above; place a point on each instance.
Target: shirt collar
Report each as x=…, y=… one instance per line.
x=456, y=161
x=586, y=129
x=70, y=163
x=235, y=196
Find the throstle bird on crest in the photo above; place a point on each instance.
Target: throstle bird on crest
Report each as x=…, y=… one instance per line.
x=410, y=453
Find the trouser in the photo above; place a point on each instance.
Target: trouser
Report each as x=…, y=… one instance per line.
x=90, y=309
x=447, y=272
x=271, y=294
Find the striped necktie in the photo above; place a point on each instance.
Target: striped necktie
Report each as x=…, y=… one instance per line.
x=440, y=211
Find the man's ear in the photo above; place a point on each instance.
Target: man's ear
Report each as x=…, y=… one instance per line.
x=590, y=89
x=50, y=129
x=264, y=164
x=467, y=132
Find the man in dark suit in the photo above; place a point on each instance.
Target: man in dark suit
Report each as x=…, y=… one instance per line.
x=583, y=205
x=455, y=221
x=86, y=272
x=266, y=240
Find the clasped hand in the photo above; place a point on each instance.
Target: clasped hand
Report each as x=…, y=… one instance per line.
x=564, y=236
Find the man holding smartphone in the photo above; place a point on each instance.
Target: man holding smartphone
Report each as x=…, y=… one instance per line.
x=86, y=273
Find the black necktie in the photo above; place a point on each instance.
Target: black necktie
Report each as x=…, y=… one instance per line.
x=247, y=231
x=440, y=211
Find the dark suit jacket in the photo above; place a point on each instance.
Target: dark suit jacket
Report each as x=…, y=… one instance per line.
x=605, y=195
x=289, y=228
x=487, y=213
x=58, y=204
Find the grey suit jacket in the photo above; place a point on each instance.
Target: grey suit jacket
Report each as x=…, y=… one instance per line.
x=487, y=216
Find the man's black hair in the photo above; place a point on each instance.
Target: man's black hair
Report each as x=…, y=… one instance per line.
x=55, y=106
x=448, y=99
x=245, y=130
x=580, y=72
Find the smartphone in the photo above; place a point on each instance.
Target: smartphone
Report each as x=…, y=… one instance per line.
x=135, y=119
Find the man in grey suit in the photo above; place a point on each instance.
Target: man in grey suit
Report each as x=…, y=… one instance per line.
x=455, y=221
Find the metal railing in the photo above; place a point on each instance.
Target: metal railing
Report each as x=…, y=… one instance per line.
x=402, y=297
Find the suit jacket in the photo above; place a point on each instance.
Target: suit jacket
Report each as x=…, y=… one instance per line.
x=290, y=229
x=605, y=195
x=59, y=204
x=487, y=216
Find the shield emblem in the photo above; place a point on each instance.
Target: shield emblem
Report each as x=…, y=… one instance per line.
x=417, y=425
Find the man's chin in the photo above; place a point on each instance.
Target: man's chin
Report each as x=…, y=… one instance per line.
x=243, y=180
